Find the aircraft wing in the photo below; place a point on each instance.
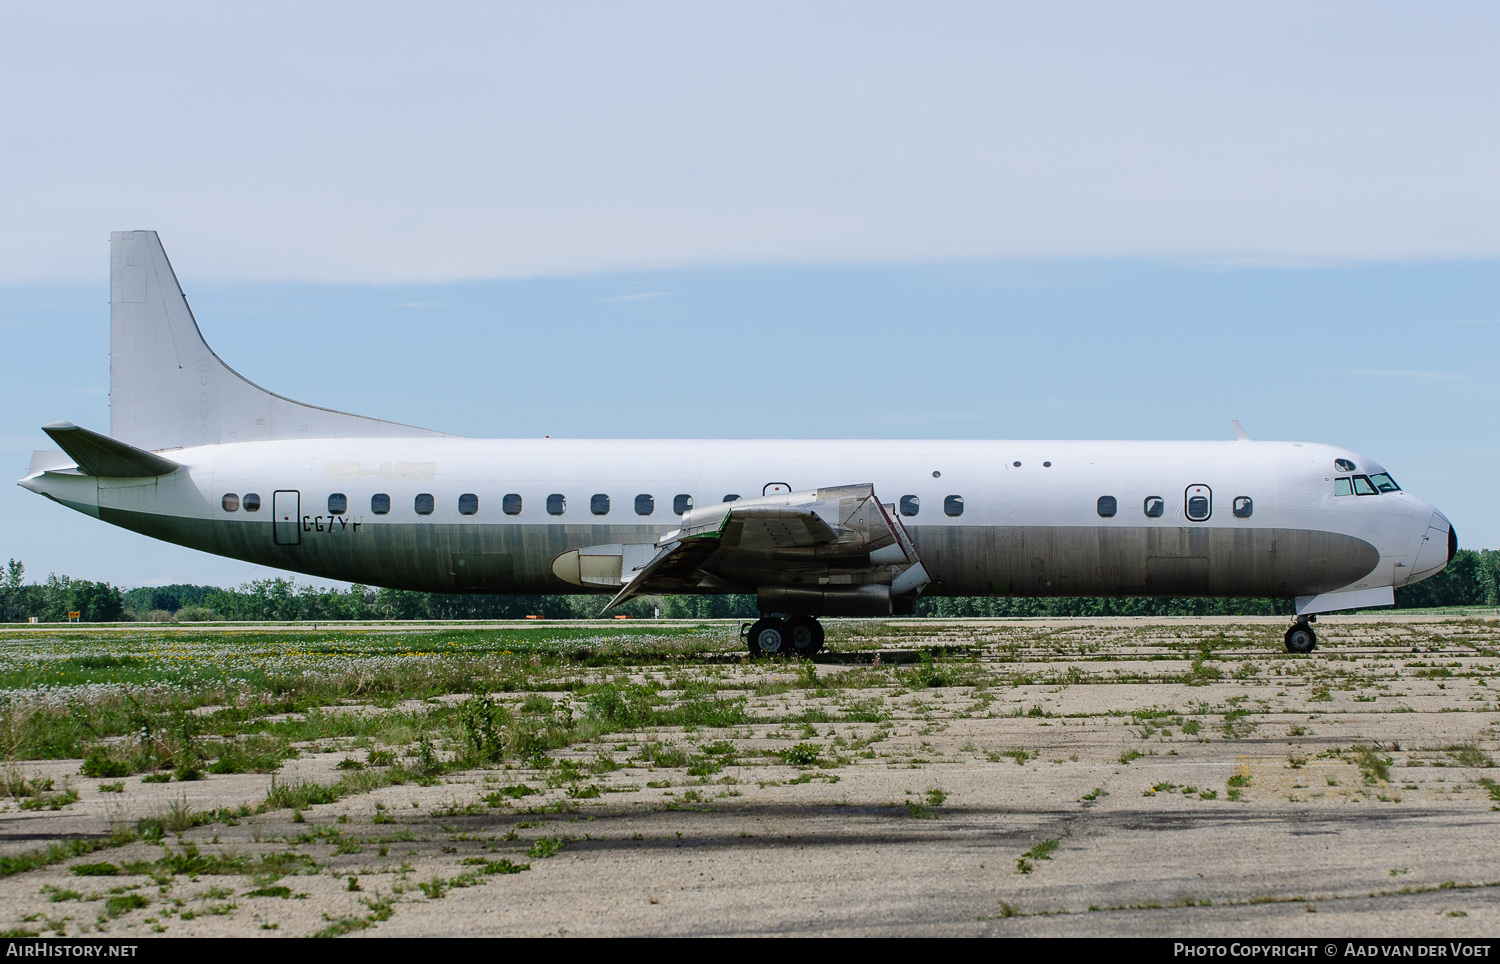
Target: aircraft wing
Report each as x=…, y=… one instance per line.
x=761, y=541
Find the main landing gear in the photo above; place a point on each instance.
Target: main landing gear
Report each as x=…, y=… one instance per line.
x=795, y=636
x=1301, y=638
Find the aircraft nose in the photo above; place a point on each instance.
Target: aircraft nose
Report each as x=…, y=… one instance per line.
x=1439, y=546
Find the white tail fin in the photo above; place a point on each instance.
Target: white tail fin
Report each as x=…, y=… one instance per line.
x=167, y=388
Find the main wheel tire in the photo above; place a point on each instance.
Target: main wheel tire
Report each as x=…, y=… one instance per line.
x=1301, y=639
x=769, y=637
x=805, y=634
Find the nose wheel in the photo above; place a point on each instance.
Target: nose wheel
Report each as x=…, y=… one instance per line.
x=796, y=635
x=1300, y=638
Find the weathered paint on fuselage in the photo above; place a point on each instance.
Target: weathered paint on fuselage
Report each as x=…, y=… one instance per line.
x=1025, y=529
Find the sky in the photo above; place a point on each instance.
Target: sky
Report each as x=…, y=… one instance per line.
x=804, y=220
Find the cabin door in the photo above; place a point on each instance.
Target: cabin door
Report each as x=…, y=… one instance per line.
x=286, y=512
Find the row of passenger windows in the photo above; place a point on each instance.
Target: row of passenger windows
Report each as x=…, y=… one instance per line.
x=1198, y=505
x=1365, y=484
x=557, y=504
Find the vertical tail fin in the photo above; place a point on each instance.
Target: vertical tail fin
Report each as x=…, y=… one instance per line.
x=168, y=389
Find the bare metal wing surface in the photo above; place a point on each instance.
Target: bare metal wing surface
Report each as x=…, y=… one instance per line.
x=816, y=547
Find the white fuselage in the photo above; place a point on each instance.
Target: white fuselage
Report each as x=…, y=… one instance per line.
x=1028, y=519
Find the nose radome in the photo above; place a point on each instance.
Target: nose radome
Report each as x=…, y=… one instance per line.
x=1438, y=548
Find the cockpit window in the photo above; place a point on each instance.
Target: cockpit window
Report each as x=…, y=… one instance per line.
x=1363, y=486
x=1342, y=487
x=1343, y=465
x=1385, y=483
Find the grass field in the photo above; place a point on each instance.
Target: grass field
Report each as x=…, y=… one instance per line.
x=386, y=773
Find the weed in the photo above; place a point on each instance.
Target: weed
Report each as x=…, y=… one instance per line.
x=1469, y=755
x=51, y=801
x=936, y=796
x=514, y=792
x=501, y=866
x=1094, y=794
x=124, y=904
x=1376, y=768
x=112, y=787
x=298, y=795
x=1129, y=755
x=486, y=729
x=94, y=870
x=100, y=763
x=544, y=847
x=277, y=891
x=801, y=755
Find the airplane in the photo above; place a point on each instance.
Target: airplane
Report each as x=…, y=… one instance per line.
x=200, y=456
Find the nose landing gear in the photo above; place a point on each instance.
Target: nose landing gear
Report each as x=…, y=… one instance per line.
x=1301, y=638
x=795, y=635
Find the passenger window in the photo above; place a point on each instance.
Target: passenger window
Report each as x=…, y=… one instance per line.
x=252, y=501
x=910, y=505
x=599, y=505
x=953, y=505
x=1244, y=506
x=1199, y=502
x=1363, y=486
x=1342, y=487
x=1155, y=506
x=1382, y=481
x=1343, y=465
x=468, y=504
x=338, y=503
x=511, y=504
x=230, y=502
x=731, y=498
x=682, y=503
x=1107, y=506
x=556, y=504
x=644, y=505
x=424, y=503
x=380, y=503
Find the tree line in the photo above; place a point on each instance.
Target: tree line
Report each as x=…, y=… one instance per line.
x=1471, y=579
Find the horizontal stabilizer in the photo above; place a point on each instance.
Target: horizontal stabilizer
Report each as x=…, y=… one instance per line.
x=105, y=457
